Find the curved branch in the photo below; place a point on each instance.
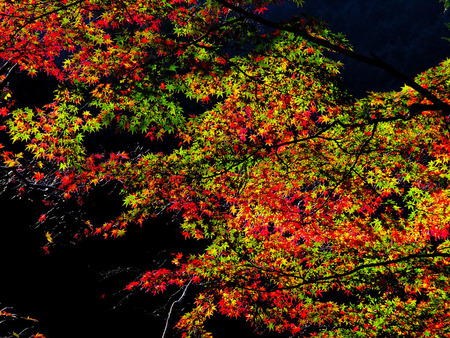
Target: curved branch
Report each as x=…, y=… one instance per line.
x=373, y=60
x=179, y=300
x=349, y=272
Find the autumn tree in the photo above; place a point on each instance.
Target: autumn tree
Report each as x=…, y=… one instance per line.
x=316, y=213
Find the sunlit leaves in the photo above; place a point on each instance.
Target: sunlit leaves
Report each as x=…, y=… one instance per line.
x=314, y=210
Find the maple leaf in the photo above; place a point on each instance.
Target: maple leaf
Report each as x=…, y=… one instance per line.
x=38, y=176
x=324, y=119
x=295, y=190
x=48, y=235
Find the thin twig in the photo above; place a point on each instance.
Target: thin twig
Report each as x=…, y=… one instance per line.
x=28, y=183
x=179, y=300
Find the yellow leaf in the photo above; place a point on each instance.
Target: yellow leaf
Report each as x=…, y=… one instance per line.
x=233, y=210
x=49, y=237
x=324, y=119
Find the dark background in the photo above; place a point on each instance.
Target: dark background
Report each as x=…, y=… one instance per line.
x=77, y=291
x=405, y=33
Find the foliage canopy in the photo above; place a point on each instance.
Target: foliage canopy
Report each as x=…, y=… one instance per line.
x=317, y=213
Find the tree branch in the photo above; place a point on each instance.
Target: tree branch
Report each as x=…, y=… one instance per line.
x=31, y=20
x=179, y=300
x=373, y=60
x=42, y=187
x=349, y=272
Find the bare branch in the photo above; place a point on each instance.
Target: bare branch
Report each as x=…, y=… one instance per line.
x=179, y=300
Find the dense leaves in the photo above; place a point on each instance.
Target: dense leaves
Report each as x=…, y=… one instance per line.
x=316, y=213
